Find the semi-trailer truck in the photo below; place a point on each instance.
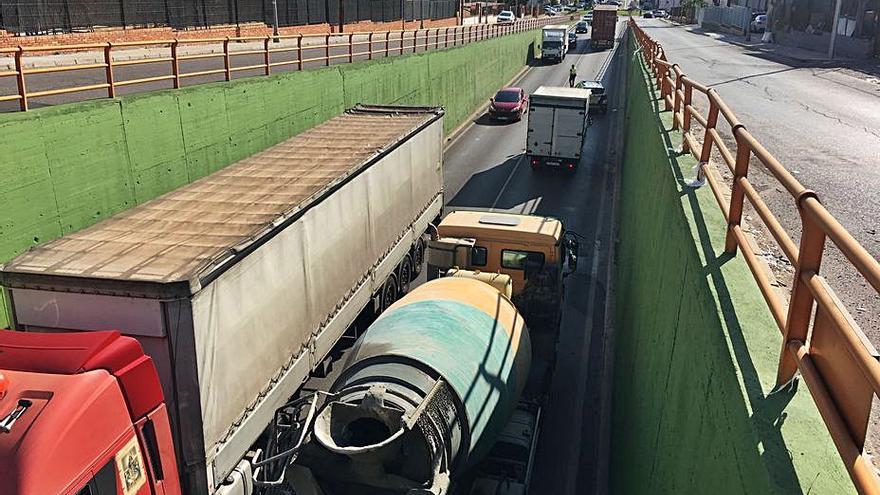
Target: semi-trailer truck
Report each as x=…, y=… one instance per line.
x=554, y=43
x=197, y=315
x=604, y=26
x=557, y=127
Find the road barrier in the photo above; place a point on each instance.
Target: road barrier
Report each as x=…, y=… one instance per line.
x=835, y=359
x=372, y=44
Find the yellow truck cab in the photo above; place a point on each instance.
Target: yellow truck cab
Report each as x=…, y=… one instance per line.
x=535, y=251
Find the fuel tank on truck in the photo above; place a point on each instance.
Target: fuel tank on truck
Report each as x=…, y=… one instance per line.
x=424, y=392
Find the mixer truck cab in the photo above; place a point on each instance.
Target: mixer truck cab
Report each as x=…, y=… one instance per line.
x=534, y=251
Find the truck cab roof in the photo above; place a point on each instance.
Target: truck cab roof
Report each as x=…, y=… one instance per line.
x=528, y=228
x=70, y=403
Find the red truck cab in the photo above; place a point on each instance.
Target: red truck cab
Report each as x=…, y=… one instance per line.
x=82, y=414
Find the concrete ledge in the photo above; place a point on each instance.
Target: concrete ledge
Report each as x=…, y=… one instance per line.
x=694, y=408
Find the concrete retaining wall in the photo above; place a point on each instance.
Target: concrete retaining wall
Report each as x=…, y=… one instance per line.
x=696, y=348
x=67, y=167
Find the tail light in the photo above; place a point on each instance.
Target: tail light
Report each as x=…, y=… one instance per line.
x=570, y=166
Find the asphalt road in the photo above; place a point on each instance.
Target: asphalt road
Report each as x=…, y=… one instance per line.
x=822, y=122
x=486, y=168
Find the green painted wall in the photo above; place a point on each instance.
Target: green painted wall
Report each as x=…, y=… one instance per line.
x=66, y=167
x=696, y=348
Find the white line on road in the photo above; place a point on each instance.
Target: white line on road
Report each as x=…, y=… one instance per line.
x=503, y=187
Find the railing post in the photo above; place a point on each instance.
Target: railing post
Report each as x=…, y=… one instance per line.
x=711, y=122
x=800, y=308
x=446, y=43
x=415, y=39
x=227, y=63
x=686, y=117
x=740, y=170
x=387, y=38
x=370, y=41
x=350, y=47
x=175, y=63
x=402, y=37
x=266, y=57
x=108, y=62
x=437, y=38
x=676, y=98
x=299, y=52
x=327, y=50
x=19, y=78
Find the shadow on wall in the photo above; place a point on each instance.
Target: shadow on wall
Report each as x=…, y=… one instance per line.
x=696, y=345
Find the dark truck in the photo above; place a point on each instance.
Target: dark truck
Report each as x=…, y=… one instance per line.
x=604, y=25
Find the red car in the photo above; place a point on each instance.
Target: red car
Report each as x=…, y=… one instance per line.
x=508, y=104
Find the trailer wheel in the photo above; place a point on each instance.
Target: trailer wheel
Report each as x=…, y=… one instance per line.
x=404, y=275
x=418, y=257
x=389, y=292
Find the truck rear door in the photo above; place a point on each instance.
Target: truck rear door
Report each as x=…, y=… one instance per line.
x=541, y=120
x=568, y=127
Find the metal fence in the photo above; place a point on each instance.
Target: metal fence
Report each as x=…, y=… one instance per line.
x=820, y=338
x=734, y=16
x=298, y=51
x=33, y=17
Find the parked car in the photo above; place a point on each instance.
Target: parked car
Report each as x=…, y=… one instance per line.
x=582, y=27
x=648, y=15
x=759, y=25
x=572, y=39
x=505, y=17
x=660, y=14
x=508, y=104
x=598, y=98
x=588, y=17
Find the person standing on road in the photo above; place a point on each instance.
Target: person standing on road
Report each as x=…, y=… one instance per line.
x=572, y=75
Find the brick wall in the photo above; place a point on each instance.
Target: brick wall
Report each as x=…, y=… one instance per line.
x=7, y=40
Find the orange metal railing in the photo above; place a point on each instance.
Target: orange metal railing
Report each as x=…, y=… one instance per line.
x=355, y=45
x=840, y=369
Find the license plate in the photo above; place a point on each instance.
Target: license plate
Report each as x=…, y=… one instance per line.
x=553, y=163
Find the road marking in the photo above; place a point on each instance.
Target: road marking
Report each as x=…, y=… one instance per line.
x=503, y=187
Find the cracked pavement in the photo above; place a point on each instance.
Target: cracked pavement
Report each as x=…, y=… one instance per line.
x=821, y=120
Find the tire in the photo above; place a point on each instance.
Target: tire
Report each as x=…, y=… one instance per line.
x=389, y=293
x=404, y=275
x=418, y=257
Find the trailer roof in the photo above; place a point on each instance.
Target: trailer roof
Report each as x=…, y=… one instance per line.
x=556, y=26
x=606, y=7
x=187, y=233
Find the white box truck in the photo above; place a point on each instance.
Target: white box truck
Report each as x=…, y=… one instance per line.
x=554, y=42
x=557, y=126
x=237, y=285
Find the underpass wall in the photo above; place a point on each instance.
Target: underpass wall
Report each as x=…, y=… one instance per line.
x=66, y=167
x=694, y=410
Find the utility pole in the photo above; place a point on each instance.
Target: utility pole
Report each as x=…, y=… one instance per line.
x=834, y=30
x=275, y=20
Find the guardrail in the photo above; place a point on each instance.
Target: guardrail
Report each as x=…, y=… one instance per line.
x=835, y=359
x=358, y=45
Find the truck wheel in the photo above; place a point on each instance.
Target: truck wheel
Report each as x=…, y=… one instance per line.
x=389, y=292
x=418, y=257
x=404, y=275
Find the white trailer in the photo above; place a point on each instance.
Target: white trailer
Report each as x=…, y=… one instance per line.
x=554, y=42
x=239, y=284
x=557, y=126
